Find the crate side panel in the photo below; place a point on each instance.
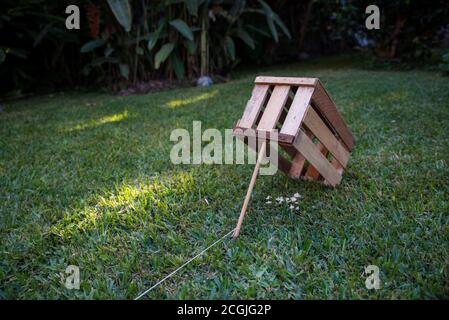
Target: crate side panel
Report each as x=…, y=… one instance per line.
x=254, y=106
x=329, y=110
x=274, y=108
x=320, y=130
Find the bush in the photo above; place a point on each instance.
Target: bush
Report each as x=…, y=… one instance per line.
x=444, y=66
x=127, y=42
x=123, y=42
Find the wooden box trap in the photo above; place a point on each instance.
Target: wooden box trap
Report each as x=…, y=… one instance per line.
x=315, y=138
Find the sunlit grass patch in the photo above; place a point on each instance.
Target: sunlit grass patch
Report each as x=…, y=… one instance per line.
x=130, y=204
x=176, y=103
x=117, y=117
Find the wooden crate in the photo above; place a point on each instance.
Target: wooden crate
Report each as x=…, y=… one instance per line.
x=310, y=128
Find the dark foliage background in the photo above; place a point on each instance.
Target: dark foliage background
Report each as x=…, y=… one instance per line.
x=123, y=43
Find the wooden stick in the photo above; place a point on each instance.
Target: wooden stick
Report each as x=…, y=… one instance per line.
x=250, y=189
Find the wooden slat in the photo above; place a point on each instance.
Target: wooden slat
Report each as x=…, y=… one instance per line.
x=314, y=123
x=309, y=150
x=253, y=106
x=286, y=80
x=329, y=110
x=274, y=108
x=283, y=164
x=297, y=166
x=281, y=138
x=337, y=166
x=297, y=110
x=311, y=172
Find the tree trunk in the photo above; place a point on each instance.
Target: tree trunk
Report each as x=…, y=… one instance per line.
x=400, y=21
x=304, y=24
x=204, y=53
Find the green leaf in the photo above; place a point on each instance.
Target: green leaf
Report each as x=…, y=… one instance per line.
x=191, y=47
x=281, y=25
x=230, y=47
x=2, y=56
x=163, y=54
x=86, y=69
x=271, y=16
x=42, y=34
x=153, y=40
x=122, y=12
x=258, y=30
x=108, y=51
x=237, y=8
x=182, y=28
x=446, y=57
x=155, y=36
x=124, y=70
x=178, y=66
x=273, y=30
x=192, y=7
x=25, y=75
x=92, y=45
x=139, y=51
x=266, y=8
x=17, y=52
x=443, y=67
x=242, y=34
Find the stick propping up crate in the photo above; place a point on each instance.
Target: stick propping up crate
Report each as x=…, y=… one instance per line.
x=311, y=130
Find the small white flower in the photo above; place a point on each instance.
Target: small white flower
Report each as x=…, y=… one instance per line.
x=292, y=207
x=297, y=195
x=297, y=208
x=268, y=198
x=287, y=200
x=268, y=202
x=293, y=199
x=280, y=199
x=206, y=201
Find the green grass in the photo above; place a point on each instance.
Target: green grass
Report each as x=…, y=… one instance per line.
x=86, y=179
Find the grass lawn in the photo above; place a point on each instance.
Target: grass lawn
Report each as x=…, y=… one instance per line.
x=86, y=179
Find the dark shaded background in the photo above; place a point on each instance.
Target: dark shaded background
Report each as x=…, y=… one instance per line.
x=37, y=52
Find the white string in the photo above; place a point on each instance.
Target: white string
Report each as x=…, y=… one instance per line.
x=183, y=265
